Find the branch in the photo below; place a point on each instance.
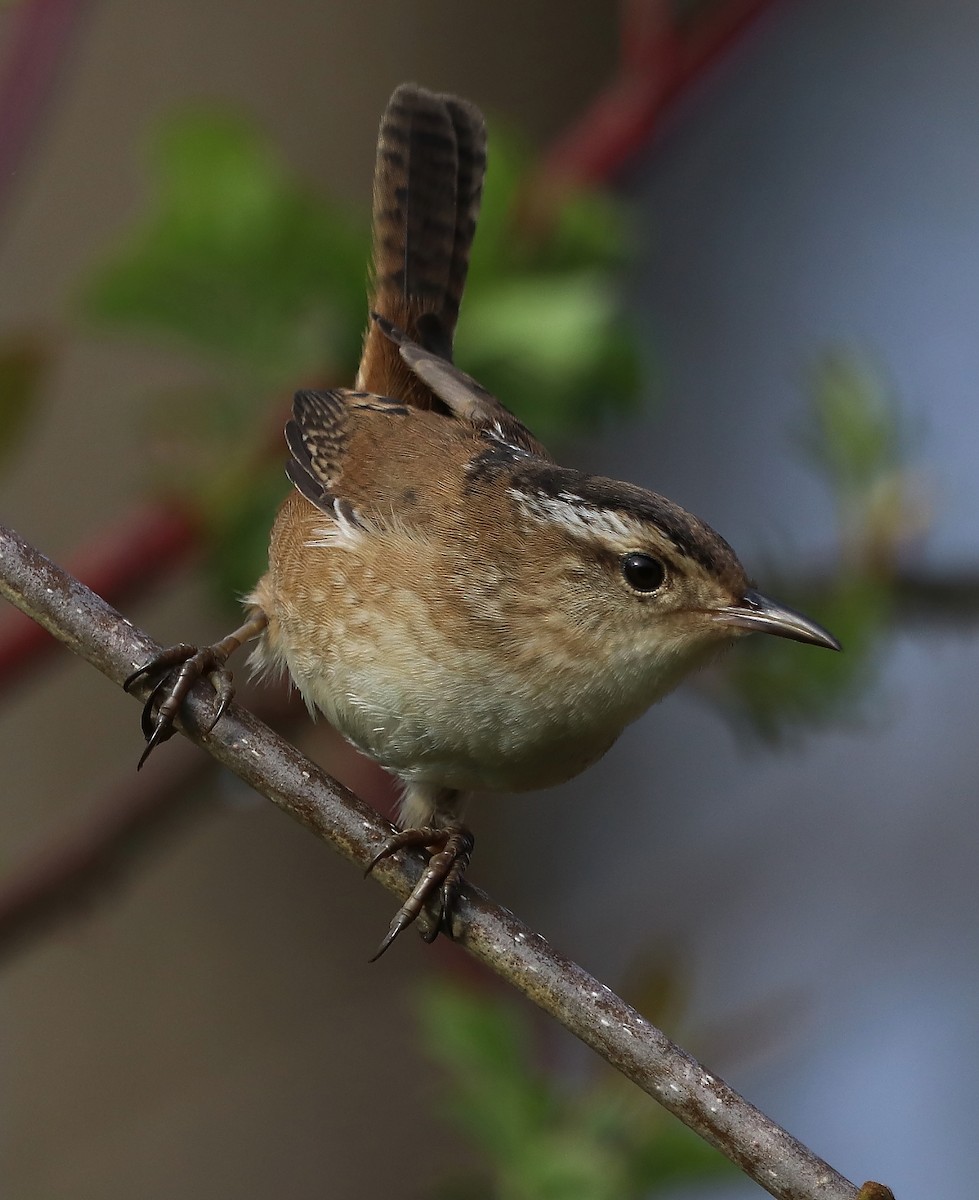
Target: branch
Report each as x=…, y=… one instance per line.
x=949, y=597
x=768, y=1154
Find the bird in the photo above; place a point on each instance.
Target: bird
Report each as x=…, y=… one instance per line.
x=467, y=612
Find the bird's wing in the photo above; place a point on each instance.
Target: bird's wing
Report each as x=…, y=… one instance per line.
x=466, y=399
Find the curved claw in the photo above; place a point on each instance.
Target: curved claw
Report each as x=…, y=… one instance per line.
x=159, y=733
x=224, y=688
x=179, y=668
x=442, y=877
x=166, y=698
x=159, y=662
x=149, y=720
x=398, y=841
x=401, y=921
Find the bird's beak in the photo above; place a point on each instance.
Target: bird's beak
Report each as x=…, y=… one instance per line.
x=757, y=614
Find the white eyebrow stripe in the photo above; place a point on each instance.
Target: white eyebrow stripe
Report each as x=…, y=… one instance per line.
x=574, y=514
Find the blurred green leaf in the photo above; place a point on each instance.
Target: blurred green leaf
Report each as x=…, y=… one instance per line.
x=676, y=1157
x=854, y=432
x=552, y=347
x=527, y=223
x=542, y=323
x=22, y=364
x=552, y=322
x=592, y=229
x=239, y=533
x=236, y=258
x=543, y=1140
x=485, y=1047
x=855, y=440
x=201, y=454
x=775, y=689
x=858, y=441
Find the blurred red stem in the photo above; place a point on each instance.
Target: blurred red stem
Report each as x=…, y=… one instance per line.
x=79, y=863
x=658, y=65
x=42, y=35
x=50, y=884
x=125, y=560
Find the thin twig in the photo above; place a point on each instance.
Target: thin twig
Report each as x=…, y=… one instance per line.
x=947, y=597
x=768, y=1154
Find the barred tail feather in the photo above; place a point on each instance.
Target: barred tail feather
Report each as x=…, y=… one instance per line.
x=431, y=158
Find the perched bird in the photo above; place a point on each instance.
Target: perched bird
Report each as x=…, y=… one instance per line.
x=466, y=612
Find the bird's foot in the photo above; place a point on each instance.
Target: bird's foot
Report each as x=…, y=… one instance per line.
x=179, y=668
x=451, y=849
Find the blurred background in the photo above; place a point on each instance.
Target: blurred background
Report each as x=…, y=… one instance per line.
x=731, y=252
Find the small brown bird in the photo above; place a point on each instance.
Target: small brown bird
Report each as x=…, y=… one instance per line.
x=463, y=610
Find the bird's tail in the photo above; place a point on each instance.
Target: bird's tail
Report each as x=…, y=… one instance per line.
x=431, y=158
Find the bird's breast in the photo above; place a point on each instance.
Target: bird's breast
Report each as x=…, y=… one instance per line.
x=438, y=665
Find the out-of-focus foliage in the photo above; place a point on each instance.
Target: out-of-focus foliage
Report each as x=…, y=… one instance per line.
x=265, y=280
x=541, y=1138
x=237, y=258
x=854, y=435
x=779, y=690
x=542, y=325
x=22, y=364
x=854, y=439
x=858, y=442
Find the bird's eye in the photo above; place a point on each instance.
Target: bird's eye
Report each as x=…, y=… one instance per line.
x=643, y=572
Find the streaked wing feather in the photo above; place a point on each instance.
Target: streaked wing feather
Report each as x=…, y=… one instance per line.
x=465, y=398
x=317, y=437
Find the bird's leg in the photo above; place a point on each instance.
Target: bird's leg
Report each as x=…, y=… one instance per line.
x=450, y=845
x=180, y=667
